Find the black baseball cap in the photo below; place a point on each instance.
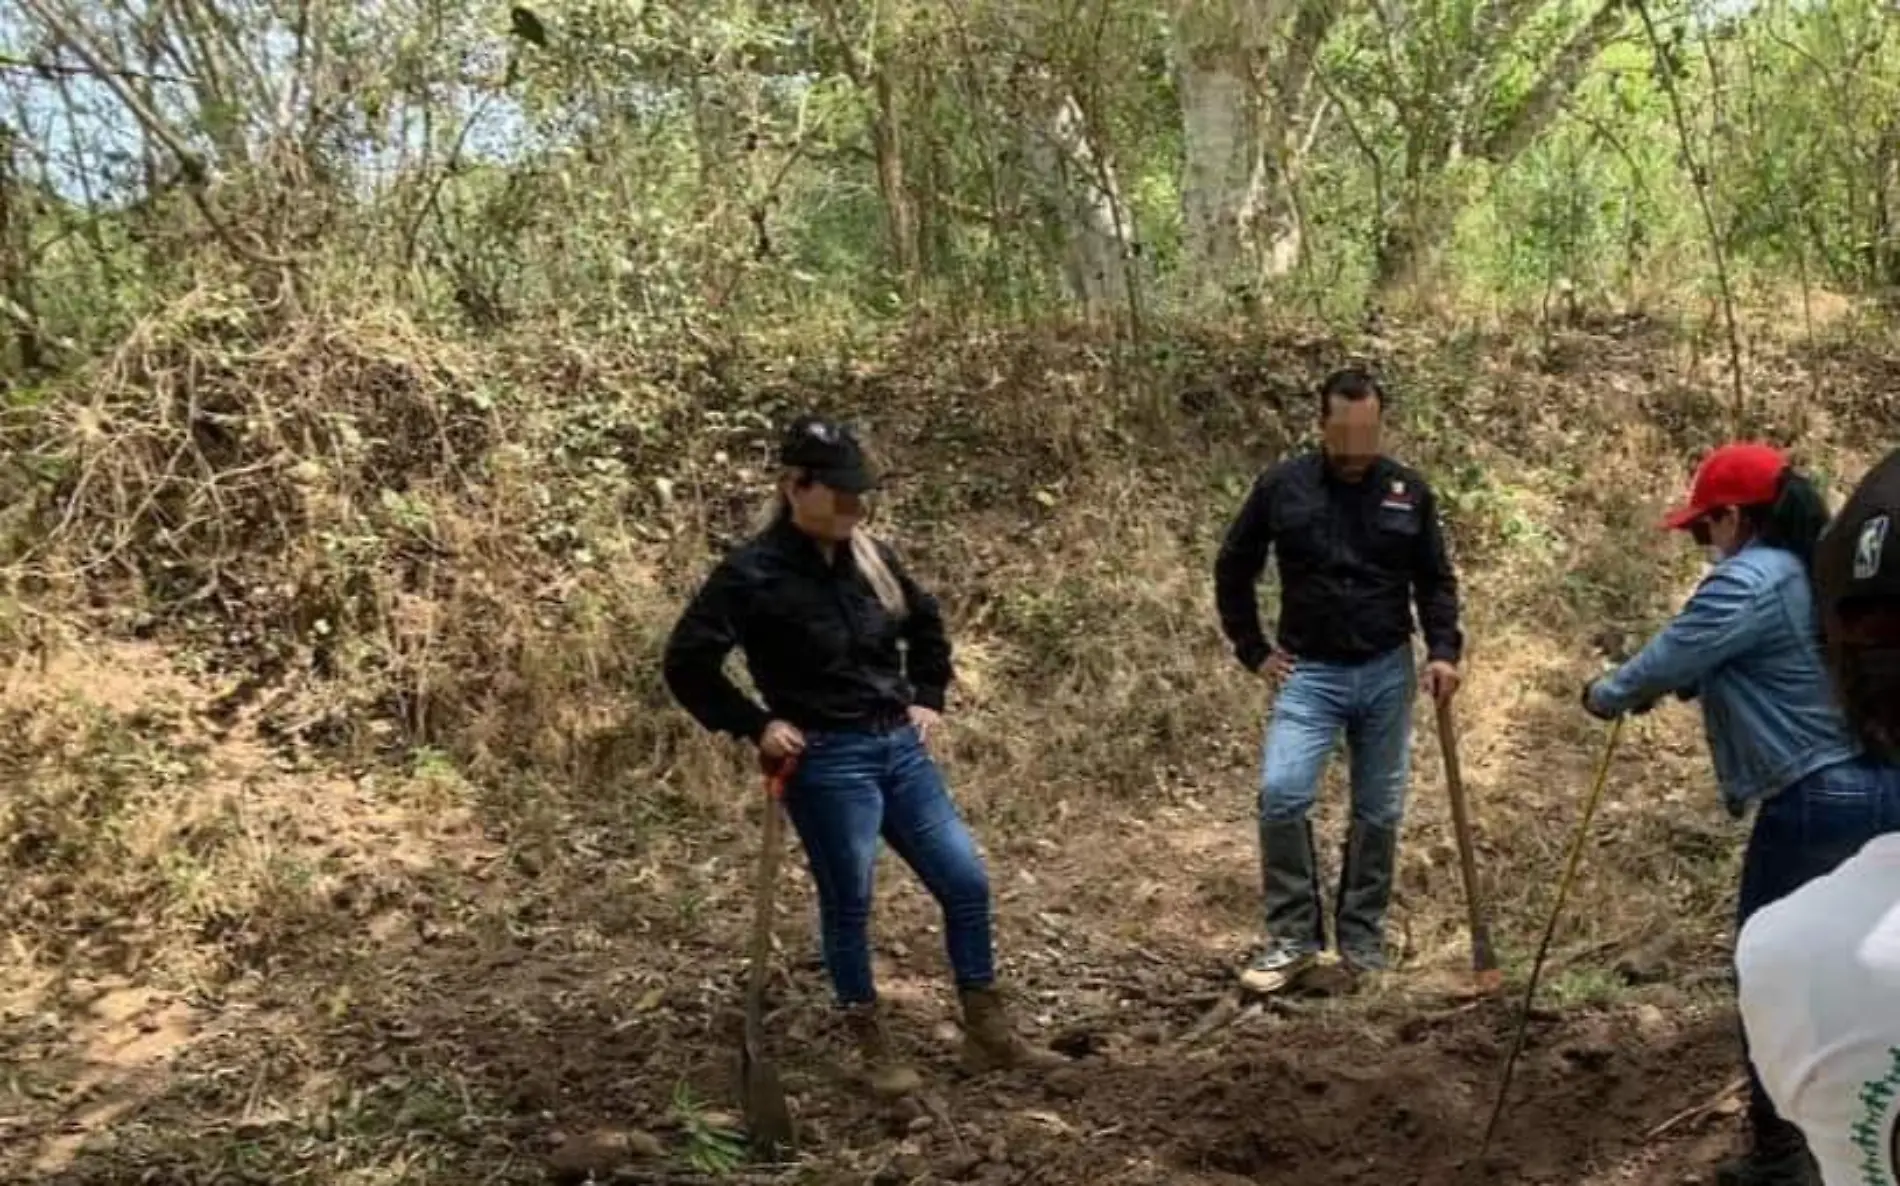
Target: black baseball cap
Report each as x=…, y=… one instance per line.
x=1858, y=558
x=829, y=452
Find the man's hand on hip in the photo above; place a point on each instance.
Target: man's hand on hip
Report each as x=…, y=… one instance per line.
x=1441, y=680
x=1276, y=669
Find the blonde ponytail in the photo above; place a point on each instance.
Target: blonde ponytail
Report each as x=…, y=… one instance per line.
x=775, y=508
x=870, y=562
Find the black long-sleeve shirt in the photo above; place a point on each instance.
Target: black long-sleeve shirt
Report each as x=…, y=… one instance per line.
x=821, y=648
x=1352, y=558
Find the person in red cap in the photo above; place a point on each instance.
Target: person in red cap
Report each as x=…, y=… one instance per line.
x=1818, y=973
x=1748, y=646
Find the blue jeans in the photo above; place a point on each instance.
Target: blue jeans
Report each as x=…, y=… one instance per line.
x=1371, y=703
x=850, y=788
x=1800, y=834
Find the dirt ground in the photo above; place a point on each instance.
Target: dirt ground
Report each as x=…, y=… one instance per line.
x=383, y=981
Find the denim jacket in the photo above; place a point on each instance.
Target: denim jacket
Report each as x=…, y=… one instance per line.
x=1748, y=644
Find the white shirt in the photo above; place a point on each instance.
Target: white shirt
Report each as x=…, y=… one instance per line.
x=1819, y=982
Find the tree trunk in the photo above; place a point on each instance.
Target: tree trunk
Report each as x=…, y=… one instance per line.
x=873, y=80
x=1884, y=242
x=1241, y=111
x=16, y=272
x=1221, y=138
x=1437, y=139
x=887, y=145
x=1086, y=209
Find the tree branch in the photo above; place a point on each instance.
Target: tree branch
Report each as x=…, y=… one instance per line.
x=51, y=70
x=1538, y=108
x=115, y=81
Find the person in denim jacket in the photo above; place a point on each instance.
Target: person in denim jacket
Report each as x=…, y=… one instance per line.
x=1748, y=647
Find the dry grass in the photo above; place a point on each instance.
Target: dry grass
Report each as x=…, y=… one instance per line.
x=395, y=727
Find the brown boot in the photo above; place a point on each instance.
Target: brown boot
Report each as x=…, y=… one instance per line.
x=878, y=1064
x=989, y=1042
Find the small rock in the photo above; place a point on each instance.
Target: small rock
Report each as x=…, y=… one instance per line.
x=1065, y=1083
x=1650, y=1021
x=1652, y=963
x=919, y=1124
x=600, y=1153
x=1589, y=1055
x=960, y=1166
x=1078, y=1043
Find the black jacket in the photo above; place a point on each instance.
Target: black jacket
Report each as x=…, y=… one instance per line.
x=1352, y=558
x=821, y=648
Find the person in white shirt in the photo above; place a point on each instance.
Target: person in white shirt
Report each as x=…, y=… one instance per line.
x=1818, y=971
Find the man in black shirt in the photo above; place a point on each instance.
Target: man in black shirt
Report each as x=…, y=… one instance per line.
x=1358, y=540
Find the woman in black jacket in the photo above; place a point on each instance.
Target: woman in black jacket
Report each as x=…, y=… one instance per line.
x=853, y=663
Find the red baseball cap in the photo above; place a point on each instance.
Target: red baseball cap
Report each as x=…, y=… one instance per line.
x=1742, y=474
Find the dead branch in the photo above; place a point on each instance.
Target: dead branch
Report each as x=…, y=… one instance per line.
x=1713, y=1103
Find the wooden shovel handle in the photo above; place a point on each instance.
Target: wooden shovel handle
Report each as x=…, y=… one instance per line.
x=777, y=775
x=1483, y=959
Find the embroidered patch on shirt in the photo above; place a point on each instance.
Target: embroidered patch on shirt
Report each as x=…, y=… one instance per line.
x=1870, y=547
x=1398, y=497
x=1876, y=1135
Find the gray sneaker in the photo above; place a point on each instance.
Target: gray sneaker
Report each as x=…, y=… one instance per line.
x=1290, y=887
x=1277, y=967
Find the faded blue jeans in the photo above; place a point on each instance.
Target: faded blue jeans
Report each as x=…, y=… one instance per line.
x=851, y=788
x=1371, y=703
x=1802, y=833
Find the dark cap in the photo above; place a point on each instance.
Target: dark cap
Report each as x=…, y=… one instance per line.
x=829, y=452
x=1859, y=557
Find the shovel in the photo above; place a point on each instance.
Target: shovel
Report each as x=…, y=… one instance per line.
x=1484, y=961
x=768, y=1121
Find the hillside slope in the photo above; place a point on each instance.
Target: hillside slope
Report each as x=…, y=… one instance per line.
x=354, y=839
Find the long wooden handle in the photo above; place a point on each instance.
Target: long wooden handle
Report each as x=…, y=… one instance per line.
x=1550, y=929
x=769, y=849
x=1483, y=959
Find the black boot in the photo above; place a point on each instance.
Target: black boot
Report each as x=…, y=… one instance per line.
x=1794, y=1167
x=1778, y=1153
x=1289, y=878
x=1365, y=889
